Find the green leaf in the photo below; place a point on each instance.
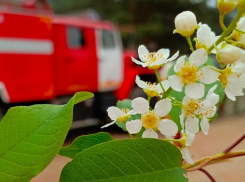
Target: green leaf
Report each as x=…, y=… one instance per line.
x=83, y=142
x=176, y=110
x=128, y=160
x=125, y=104
x=31, y=136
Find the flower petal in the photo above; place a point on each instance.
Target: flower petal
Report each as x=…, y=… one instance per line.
x=205, y=125
x=109, y=124
x=211, y=91
x=150, y=133
x=181, y=117
x=163, y=107
x=168, y=127
x=165, y=53
x=174, y=56
x=195, y=91
x=159, y=62
x=207, y=75
x=213, y=99
x=191, y=124
x=179, y=64
x=143, y=53
x=140, y=105
x=185, y=100
x=165, y=85
x=175, y=83
x=190, y=138
x=114, y=112
x=186, y=155
x=140, y=83
x=198, y=57
x=239, y=67
x=138, y=62
x=204, y=106
x=230, y=95
x=134, y=126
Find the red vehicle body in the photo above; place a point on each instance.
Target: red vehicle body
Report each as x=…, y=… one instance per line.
x=47, y=57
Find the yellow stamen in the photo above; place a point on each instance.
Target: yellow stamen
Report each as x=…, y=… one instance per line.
x=150, y=120
x=151, y=90
x=191, y=107
x=188, y=73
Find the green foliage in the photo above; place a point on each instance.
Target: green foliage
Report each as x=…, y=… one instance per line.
x=176, y=111
x=30, y=137
x=83, y=142
x=147, y=160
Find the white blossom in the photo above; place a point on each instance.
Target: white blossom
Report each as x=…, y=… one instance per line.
x=152, y=90
x=187, y=141
x=189, y=73
x=151, y=120
x=185, y=23
x=117, y=114
x=153, y=60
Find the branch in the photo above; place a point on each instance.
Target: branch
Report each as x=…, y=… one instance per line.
x=208, y=175
x=212, y=160
x=234, y=144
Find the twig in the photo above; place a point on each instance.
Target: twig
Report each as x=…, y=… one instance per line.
x=208, y=175
x=235, y=144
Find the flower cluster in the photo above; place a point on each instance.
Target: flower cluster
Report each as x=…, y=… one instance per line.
x=194, y=76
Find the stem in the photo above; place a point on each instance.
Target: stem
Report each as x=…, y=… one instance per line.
x=234, y=144
x=213, y=68
x=166, y=94
x=190, y=43
x=131, y=136
x=212, y=160
x=240, y=31
x=159, y=80
x=221, y=20
x=172, y=140
x=208, y=174
x=227, y=31
x=149, y=99
x=175, y=100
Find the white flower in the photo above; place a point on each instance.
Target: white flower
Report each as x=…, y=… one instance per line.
x=152, y=90
x=153, y=60
x=191, y=108
x=228, y=54
x=240, y=26
x=185, y=23
x=117, y=114
x=213, y=99
x=187, y=139
x=188, y=73
x=205, y=37
x=151, y=120
x=233, y=80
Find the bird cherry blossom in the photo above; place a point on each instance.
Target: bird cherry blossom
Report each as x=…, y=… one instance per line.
x=189, y=73
x=186, y=141
x=232, y=79
x=240, y=26
x=152, y=90
x=185, y=23
x=151, y=119
x=153, y=60
x=205, y=37
x=117, y=115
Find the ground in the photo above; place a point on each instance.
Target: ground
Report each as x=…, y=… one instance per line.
x=223, y=132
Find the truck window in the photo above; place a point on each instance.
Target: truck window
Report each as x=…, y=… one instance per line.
x=75, y=38
x=108, y=39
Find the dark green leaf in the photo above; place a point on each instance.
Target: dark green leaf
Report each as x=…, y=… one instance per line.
x=128, y=160
x=30, y=137
x=83, y=142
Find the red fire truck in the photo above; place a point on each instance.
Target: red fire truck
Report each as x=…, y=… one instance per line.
x=44, y=57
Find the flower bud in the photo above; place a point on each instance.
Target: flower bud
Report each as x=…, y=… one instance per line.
x=228, y=54
x=226, y=6
x=185, y=23
x=241, y=5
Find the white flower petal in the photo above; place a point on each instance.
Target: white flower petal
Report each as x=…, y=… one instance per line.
x=109, y=124
x=134, y=126
x=140, y=105
x=186, y=155
x=207, y=75
x=140, y=83
x=190, y=138
x=211, y=91
x=138, y=62
x=164, y=52
x=143, y=53
x=174, y=56
x=159, y=62
x=198, y=57
x=213, y=99
x=179, y=64
x=168, y=127
x=195, y=91
x=230, y=95
x=176, y=83
x=239, y=67
x=204, y=106
x=186, y=100
x=165, y=85
x=114, y=113
x=163, y=107
x=132, y=112
x=181, y=117
x=191, y=124
x=150, y=133
x=205, y=125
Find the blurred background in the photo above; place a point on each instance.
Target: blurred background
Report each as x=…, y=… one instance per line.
x=65, y=32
